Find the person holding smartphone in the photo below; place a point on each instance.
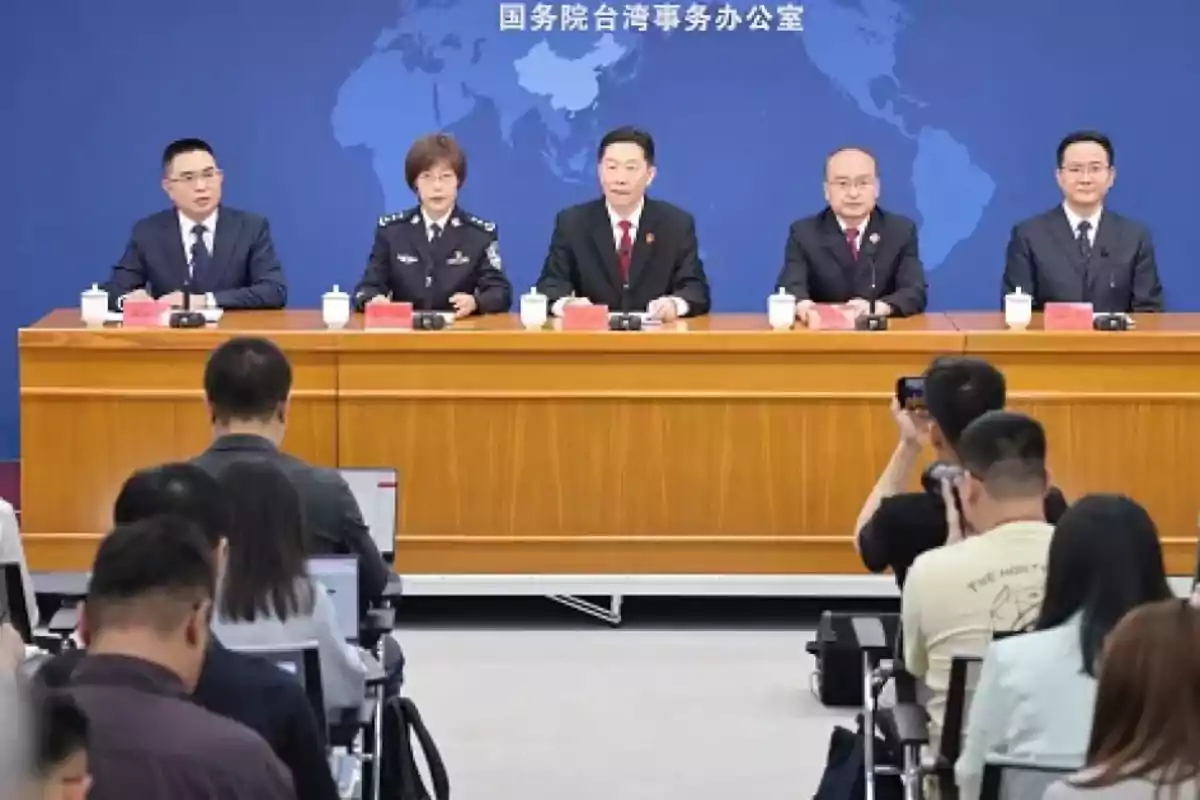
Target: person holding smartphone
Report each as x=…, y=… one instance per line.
x=895, y=526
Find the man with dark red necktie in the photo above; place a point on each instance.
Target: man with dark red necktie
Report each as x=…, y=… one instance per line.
x=625, y=250
x=854, y=252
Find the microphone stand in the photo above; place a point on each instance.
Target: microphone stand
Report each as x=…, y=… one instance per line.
x=871, y=321
x=187, y=318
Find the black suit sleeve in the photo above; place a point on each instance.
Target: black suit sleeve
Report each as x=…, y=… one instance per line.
x=373, y=571
x=909, y=296
x=1147, y=289
x=128, y=274
x=555, y=281
x=375, y=280
x=794, y=275
x=493, y=291
x=1018, y=269
x=689, y=282
x=268, y=287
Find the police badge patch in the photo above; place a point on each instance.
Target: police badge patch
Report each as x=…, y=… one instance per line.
x=493, y=255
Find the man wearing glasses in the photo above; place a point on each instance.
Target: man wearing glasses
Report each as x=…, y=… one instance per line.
x=222, y=257
x=1080, y=252
x=853, y=252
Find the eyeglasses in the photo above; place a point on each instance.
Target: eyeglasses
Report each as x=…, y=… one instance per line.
x=1090, y=170
x=844, y=184
x=191, y=178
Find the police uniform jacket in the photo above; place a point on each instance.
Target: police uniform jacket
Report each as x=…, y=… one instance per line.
x=407, y=266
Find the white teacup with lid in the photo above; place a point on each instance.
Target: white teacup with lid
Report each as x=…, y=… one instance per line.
x=1018, y=309
x=781, y=309
x=335, y=308
x=534, y=309
x=93, y=306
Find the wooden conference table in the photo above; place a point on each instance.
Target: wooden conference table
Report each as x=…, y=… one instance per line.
x=714, y=446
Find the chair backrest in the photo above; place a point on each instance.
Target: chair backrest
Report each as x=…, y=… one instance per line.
x=1009, y=780
x=339, y=575
x=302, y=660
x=964, y=676
x=13, y=606
x=375, y=489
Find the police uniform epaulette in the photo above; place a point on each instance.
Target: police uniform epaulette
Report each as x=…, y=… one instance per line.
x=388, y=219
x=482, y=224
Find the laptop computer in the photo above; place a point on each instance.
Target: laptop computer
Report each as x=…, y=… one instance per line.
x=375, y=490
x=339, y=575
x=13, y=608
x=301, y=661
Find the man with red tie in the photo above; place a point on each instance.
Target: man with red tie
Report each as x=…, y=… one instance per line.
x=626, y=251
x=854, y=252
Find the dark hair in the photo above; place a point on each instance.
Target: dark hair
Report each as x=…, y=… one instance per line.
x=183, y=490
x=632, y=136
x=846, y=149
x=180, y=147
x=266, y=571
x=1147, y=715
x=960, y=390
x=1086, y=136
x=1007, y=452
x=428, y=151
x=153, y=573
x=1105, y=559
x=61, y=730
x=247, y=378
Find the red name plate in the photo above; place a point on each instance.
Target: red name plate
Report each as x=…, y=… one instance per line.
x=142, y=313
x=1067, y=317
x=834, y=317
x=578, y=317
x=389, y=315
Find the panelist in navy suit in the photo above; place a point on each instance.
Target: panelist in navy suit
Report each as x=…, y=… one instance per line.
x=223, y=256
x=1080, y=252
x=853, y=252
x=436, y=256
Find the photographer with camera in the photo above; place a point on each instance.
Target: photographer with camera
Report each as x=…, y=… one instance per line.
x=895, y=526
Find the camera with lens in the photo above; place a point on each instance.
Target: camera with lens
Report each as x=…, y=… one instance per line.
x=428, y=321
x=625, y=322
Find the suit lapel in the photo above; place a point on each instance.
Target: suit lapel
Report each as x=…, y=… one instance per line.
x=419, y=238
x=875, y=226
x=643, y=246
x=605, y=241
x=1107, y=239
x=229, y=225
x=1064, y=237
x=177, y=257
x=835, y=242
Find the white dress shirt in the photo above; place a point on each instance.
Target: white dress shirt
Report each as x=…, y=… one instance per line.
x=186, y=224
x=862, y=229
x=430, y=222
x=634, y=220
x=1074, y=219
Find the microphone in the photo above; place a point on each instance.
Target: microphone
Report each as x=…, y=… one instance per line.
x=872, y=321
x=1111, y=320
x=625, y=254
x=187, y=318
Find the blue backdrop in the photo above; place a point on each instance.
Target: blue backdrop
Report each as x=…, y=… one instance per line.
x=311, y=105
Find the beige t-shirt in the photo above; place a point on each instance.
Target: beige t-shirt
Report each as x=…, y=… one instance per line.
x=958, y=595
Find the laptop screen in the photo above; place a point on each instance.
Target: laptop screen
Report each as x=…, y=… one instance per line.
x=339, y=576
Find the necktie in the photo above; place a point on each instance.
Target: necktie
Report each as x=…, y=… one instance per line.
x=435, y=232
x=625, y=249
x=201, y=258
x=852, y=240
x=1085, y=244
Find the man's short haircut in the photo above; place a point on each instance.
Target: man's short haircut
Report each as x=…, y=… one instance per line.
x=151, y=573
x=959, y=390
x=846, y=149
x=630, y=135
x=247, y=378
x=428, y=151
x=1007, y=451
x=180, y=147
x=60, y=730
x=182, y=490
x=1086, y=136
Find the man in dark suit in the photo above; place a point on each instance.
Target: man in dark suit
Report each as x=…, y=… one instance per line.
x=1080, y=252
x=626, y=251
x=247, y=383
x=223, y=257
x=853, y=252
x=436, y=256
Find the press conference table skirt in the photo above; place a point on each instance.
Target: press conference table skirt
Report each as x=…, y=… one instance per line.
x=710, y=446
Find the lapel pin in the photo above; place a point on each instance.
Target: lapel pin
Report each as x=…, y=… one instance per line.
x=649, y=238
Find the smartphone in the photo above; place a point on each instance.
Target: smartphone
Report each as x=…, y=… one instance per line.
x=910, y=393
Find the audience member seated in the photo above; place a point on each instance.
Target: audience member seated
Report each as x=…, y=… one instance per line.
x=1035, y=694
x=145, y=624
x=956, y=597
x=247, y=383
x=248, y=690
x=60, y=747
x=1145, y=741
x=267, y=596
x=895, y=526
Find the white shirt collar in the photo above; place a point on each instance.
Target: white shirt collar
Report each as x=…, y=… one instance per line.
x=430, y=222
x=186, y=223
x=862, y=226
x=1074, y=219
x=614, y=218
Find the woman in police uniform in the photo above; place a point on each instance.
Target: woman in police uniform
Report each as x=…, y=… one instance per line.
x=436, y=256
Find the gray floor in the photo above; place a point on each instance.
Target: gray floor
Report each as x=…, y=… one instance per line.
x=590, y=713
